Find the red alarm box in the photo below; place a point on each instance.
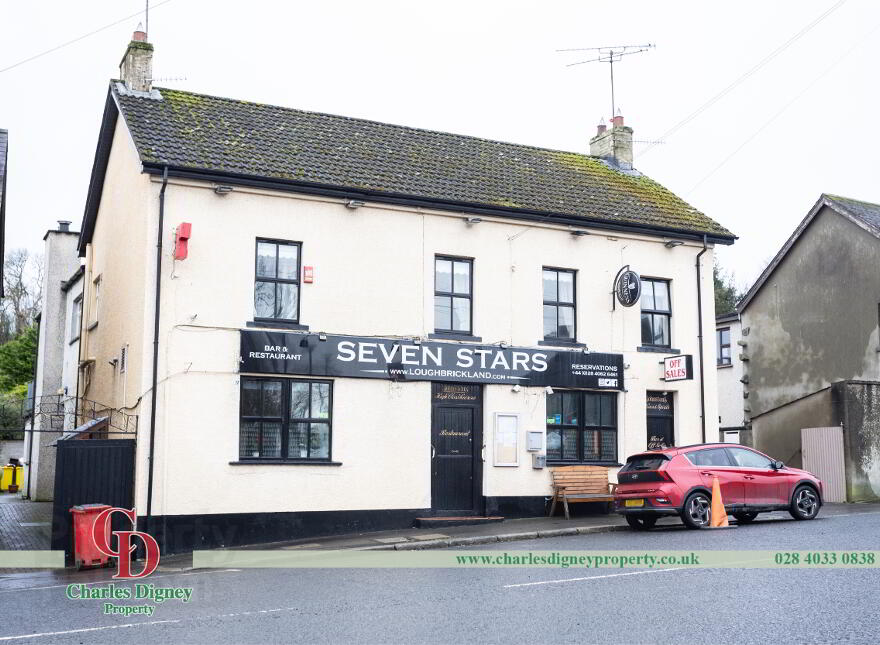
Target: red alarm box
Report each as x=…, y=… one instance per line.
x=181, y=239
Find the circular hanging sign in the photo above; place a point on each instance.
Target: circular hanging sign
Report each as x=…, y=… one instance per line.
x=628, y=287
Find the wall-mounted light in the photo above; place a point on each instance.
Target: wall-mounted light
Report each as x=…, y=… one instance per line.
x=503, y=345
x=671, y=244
x=586, y=350
x=548, y=390
x=222, y=190
x=579, y=232
x=470, y=221
x=354, y=203
x=516, y=388
x=322, y=336
x=417, y=341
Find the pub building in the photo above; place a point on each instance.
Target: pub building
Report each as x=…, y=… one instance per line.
x=358, y=324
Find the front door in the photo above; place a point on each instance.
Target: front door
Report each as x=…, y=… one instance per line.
x=456, y=449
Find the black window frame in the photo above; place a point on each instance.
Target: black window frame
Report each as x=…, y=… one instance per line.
x=657, y=312
x=719, y=344
x=286, y=421
x=581, y=427
x=276, y=280
x=454, y=294
x=557, y=303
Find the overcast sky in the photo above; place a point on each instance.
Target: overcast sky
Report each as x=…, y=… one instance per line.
x=803, y=124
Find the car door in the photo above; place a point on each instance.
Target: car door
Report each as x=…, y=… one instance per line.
x=715, y=462
x=764, y=485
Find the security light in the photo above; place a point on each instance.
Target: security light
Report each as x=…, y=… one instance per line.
x=548, y=390
x=322, y=336
x=579, y=233
x=516, y=388
x=472, y=220
x=417, y=341
x=222, y=190
x=354, y=203
x=671, y=244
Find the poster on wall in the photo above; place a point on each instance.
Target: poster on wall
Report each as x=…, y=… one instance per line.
x=402, y=359
x=506, y=439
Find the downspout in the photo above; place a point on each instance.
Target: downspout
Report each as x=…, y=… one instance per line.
x=156, y=347
x=700, y=337
x=27, y=493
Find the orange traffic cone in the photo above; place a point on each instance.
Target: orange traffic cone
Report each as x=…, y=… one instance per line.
x=718, y=516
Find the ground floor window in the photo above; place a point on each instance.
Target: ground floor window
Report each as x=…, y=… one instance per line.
x=285, y=419
x=582, y=426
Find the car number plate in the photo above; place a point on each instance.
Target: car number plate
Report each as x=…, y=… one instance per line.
x=634, y=502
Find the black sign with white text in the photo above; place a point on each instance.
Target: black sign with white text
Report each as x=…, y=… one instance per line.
x=269, y=352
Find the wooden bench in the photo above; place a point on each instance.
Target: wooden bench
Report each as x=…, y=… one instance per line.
x=581, y=484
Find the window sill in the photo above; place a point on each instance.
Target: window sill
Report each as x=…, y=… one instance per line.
x=657, y=349
x=92, y=325
x=73, y=340
x=562, y=343
x=442, y=335
x=276, y=324
x=723, y=365
x=284, y=462
x=610, y=464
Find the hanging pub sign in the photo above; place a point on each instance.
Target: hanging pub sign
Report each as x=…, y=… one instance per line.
x=678, y=368
x=268, y=352
x=627, y=287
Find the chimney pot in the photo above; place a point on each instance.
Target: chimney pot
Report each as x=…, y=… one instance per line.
x=64, y=225
x=139, y=34
x=617, y=121
x=600, y=129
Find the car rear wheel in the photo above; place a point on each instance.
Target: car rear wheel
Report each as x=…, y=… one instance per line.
x=641, y=522
x=745, y=518
x=804, y=503
x=696, y=511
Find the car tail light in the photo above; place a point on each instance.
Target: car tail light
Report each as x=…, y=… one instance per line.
x=664, y=475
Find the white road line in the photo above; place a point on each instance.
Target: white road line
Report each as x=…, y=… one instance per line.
x=84, y=629
x=146, y=624
x=608, y=575
x=116, y=580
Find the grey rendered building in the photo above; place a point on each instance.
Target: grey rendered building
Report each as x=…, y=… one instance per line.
x=811, y=341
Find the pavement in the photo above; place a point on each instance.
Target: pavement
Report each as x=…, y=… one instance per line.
x=501, y=604
x=24, y=524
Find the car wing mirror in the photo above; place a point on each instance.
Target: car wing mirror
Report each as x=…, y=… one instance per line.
x=776, y=465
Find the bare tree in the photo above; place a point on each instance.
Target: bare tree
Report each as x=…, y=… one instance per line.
x=23, y=285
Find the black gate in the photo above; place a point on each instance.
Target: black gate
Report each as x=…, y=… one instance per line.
x=90, y=471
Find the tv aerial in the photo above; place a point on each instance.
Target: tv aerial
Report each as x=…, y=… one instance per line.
x=609, y=55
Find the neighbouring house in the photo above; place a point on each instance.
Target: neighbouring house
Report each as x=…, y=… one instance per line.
x=811, y=341
x=332, y=324
x=52, y=390
x=728, y=361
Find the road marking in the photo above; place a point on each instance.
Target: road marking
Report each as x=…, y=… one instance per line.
x=85, y=629
x=116, y=580
x=608, y=575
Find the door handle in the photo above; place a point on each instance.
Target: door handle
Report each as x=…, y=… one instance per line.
x=749, y=476
x=483, y=452
x=433, y=451
x=706, y=472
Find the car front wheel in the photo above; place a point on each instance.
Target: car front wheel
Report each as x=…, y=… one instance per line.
x=641, y=522
x=804, y=503
x=696, y=511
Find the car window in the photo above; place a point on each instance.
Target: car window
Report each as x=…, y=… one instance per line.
x=749, y=459
x=644, y=462
x=709, y=457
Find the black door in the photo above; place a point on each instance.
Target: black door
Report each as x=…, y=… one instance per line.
x=456, y=449
x=660, y=416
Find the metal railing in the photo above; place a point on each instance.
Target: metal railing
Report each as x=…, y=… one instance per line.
x=61, y=413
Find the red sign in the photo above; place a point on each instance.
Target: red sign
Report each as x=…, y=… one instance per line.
x=308, y=274
x=124, y=544
x=678, y=368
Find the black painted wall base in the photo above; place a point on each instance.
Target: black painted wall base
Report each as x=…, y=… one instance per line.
x=509, y=507
x=183, y=533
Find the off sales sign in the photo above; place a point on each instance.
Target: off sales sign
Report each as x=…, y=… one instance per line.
x=678, y=368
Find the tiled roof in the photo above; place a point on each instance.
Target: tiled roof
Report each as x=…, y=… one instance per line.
x=199, y=132
x=865, y=211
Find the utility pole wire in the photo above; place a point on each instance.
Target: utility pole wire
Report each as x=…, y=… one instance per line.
x=784, y=108
x=746, y=75
x=79, y=38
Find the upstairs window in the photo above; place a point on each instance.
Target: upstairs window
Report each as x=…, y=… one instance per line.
x=276, y=286
x=722, y=342
x=453, y=295
x=656, y=312
x=559, y=309
x=76, y=313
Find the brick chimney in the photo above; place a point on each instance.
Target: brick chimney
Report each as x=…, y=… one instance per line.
x=615, y=145
x=136, y=68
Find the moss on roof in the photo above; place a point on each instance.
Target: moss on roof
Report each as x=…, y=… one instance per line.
x=225, y=135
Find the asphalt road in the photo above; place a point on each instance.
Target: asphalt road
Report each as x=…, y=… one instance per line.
x=502, y=605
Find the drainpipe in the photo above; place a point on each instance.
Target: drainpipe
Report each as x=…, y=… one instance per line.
x=156, y=347
x=700, y=337
x=27, y=493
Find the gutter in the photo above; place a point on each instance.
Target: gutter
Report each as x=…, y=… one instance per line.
x=700, y=337
x=420, y=202
x=156, y=347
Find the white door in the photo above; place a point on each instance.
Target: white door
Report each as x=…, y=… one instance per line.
x=822, y=450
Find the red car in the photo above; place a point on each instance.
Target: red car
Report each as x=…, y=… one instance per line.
x=678, y=481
